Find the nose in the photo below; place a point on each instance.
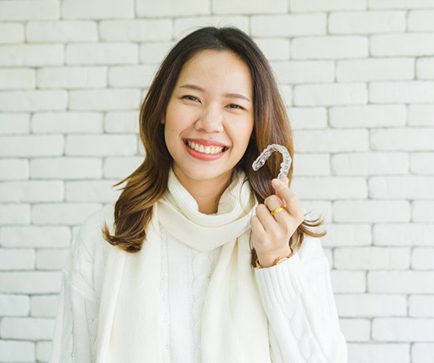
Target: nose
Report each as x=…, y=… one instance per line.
x=210, y=120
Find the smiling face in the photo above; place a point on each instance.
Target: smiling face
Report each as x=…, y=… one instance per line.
x=209, y=117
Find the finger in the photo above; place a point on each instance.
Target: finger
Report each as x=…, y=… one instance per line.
x=268, y=222
x=257, y=228
x=293, y=205
x=273, y=202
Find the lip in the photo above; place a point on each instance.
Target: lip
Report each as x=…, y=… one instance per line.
x=207, y=142
x=202, y=156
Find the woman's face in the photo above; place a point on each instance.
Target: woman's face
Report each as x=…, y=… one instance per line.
x=209, y=117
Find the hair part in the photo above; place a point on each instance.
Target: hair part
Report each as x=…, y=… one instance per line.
x=147, y=184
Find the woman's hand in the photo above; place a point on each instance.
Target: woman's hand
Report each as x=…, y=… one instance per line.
x=270, y=233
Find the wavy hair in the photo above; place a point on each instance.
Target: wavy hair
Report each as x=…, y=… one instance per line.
x=146, y=185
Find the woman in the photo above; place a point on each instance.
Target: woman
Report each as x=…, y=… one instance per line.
x=202, y=259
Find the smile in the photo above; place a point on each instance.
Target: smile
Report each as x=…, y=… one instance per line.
x=210, y=150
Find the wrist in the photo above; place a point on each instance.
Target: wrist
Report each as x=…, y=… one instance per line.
x=264, y=260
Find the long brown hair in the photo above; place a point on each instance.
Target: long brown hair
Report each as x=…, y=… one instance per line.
x=146, y=185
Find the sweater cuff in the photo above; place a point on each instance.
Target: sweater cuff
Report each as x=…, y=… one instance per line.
x=279, y=284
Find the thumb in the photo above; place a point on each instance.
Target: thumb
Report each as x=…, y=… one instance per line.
x=280, y=183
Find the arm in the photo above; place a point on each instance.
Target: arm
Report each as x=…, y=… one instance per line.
x=75, y=327
x=298, y=299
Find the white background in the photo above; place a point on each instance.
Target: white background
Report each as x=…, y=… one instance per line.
x=358, y=80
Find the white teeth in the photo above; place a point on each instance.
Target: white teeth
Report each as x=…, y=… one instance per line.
x=205, y=149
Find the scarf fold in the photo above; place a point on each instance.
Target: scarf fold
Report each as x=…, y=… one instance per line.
x=234, y=326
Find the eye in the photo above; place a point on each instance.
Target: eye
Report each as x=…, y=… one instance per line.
x=192, y=98
x=236, y=106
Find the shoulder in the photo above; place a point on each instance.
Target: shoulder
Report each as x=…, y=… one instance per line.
x=89, y=235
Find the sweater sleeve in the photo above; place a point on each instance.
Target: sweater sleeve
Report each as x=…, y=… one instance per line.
x=298, y=299
x=75, y=326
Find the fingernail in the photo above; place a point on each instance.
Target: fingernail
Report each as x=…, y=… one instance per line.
x=276, y=182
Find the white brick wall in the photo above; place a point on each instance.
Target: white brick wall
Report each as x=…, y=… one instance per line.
x=357, y=78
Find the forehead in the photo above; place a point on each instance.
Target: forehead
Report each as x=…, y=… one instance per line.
x=217, y=68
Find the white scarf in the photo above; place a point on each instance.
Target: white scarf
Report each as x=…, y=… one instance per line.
x=234, y=326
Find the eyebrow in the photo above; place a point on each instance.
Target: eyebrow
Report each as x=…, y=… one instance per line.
x=236, y=95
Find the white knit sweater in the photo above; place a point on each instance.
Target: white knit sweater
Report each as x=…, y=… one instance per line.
x=296, y=295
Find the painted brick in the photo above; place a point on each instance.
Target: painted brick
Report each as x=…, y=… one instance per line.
x=14, y=305
x=421, y=306
x=402, y=44
x=119, y=167
x=161, y=8
x=28, y=10
x=104, y=100
x=35, y=282
x=27, y=328
x=101, y=145
x=403, y=234
x=423, y=211
x=367, y=22
x=17, y=259
x=355, y=330
x=11, y=33
x=421, y=20
x=403, y=329
x=14, y=123
x=400, y=138
x=131, y=76
x=368, y=305
x=34, y=100
x=401, y=92
x=31, y=191
x=296, y=72
x=401, y=282
x=376, y=353
x=347, y=235
x=330, y=188
x=44, y=306
x=31, y=54
x=102, y=53
x=370, y=163
x=11, y=78
x=420, y=115
x=17, y=351
x=307, y=117
x=367, y=116
x=65, y=168
x=124, y=122
x=372, y=258
x=422, y=258
x=340, y=281
x=14, y=169
x=72, y=77
x=330, y=94
x=422, y=352
x=389, y=69
x=251, y=7
x=35, y=236
x=184, y=25
x=326, y=5
x=62, y=213
x=107, y=9
x=136, y=30
x=401, y=187
x=91, y=191
x=371, y=211
x=330, y=140
x=61, y=31
x=288, y=25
